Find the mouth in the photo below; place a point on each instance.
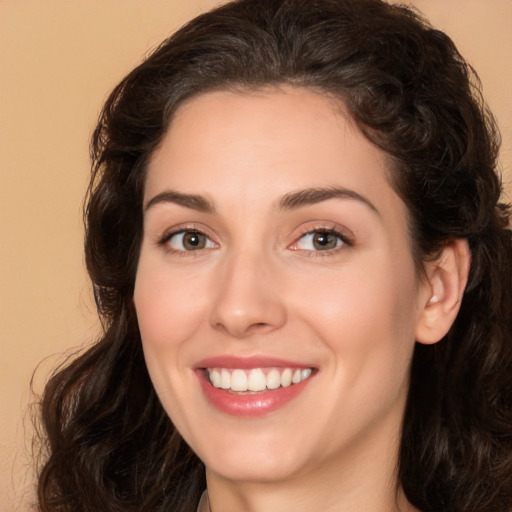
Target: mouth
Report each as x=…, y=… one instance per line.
x=239, y=380
x=252, y=386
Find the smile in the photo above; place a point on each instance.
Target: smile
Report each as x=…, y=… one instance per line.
x=252, y=386
x=256, y=379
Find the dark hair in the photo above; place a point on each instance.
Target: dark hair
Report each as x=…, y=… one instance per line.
x=110, y=445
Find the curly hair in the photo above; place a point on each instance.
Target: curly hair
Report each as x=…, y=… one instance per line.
x=109, y=444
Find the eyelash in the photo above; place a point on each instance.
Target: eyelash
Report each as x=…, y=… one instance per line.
x=343, y=240
x=167, y=237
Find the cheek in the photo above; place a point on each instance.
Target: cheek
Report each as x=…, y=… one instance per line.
x=168, y=315
x=369, y=299
x=365, y=315
x=168, y=310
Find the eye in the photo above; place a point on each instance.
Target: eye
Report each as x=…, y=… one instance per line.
x=320, y=240
x=189, y=241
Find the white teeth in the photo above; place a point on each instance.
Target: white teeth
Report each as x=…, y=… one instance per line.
x=225, y=379
x=238, y=380
x=286, y=378
x=256, y=379
x=273, y=379
x=215, y=378
x=304, y=374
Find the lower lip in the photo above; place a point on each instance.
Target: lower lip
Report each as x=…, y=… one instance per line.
x=257, y=404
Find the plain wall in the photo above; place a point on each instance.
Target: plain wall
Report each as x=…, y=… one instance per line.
x=58, y=61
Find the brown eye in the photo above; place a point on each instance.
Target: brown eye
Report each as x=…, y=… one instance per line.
x=190, y=241
x=320, y=241
x=325, y=241
x=193, y=240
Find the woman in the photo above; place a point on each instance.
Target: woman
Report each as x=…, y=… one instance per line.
x=303, y=270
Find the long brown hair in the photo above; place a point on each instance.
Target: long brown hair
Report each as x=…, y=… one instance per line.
x=109, y=444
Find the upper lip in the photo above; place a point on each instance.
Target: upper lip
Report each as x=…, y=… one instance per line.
x=248, y=362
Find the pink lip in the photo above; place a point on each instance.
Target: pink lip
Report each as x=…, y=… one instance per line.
x=249, y=405
x=248, y=362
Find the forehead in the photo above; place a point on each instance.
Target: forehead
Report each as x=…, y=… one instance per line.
x=260, y=145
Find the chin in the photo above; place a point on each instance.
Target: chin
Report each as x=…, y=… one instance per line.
x=254, y=460
x=270, y=470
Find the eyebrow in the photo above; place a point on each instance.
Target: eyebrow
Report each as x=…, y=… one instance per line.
x=310, y=196
x=192, y=201
x=290, y=201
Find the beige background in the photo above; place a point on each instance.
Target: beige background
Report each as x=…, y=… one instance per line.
x=58, y=60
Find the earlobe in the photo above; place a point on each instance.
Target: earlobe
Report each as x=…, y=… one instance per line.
x=444, y=288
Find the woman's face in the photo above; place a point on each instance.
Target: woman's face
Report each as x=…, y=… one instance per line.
x=276, y=263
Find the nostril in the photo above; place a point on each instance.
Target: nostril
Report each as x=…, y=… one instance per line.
x=260, y=325
x=240, y=310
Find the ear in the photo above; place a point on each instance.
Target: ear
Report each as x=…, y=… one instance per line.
x=442, y=291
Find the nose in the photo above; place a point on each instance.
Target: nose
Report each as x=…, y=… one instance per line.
x=248, y=297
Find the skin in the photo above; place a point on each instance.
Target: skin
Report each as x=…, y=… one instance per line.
x=259, y=287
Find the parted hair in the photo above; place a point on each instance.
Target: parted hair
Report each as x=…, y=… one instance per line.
x=107, y=443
